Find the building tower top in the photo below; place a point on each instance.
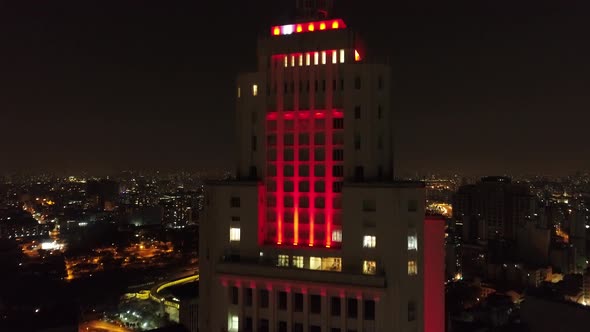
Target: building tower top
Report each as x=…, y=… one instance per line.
x=309, y=10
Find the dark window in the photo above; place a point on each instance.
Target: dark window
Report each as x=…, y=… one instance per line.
x=341, y=84
x=304, y=154
x=298, y=302
x=282, y=327
x=234, y=202
x=303, y=170
x=289, y=186
x=357, y=82
x=292, y=87
x=412, y=205
x=289, y=139
x=411, y=311
x=334, y=329
x=271, y=140
x=263, y=325
x=338, y=155
x=352, y=308
x=300, y=86
x=307, y=86
x=369, y=205
x=297, y=327
x=248, y=297
x=337, y=187
x=303, y=139
x=379, y=112
x=338, y=123
x=319, y=170
x=303, y=202
x=234, y=295
x=338, y=171
x=334, y=85
x=319, y=123
x=369, y=310
x=316, y=86
x=357, y=112
x=335, y=306
x=320, y=203
x=319, y=186
x=289, y=124
x=286, y=88
x=319, y=154
x=315, y=328
x=288, y=155
x=323, y=85
x=338, y=138
x=248, y=326
x=253, y=172
x=315, y=304
x=380, y=82
x=357, y=142
x=319, y=139
x=288, y=170
x=263, y=298
x=359, y=173
x=288, y=201
x=282, y=301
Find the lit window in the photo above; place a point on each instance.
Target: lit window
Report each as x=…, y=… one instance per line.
x=412, y=268
x=332, y=264
x=369, y=267
x=335, y=25
x=334, y=57
x=307, y=59
x=239, y=92
x=315, y=263
x=299, y=28
x=357, y=56
x=276, y=31
x=369, y=241
x=323, y=57
x=310, y=27
x=287, y=29
x=254, y=90
x=283, y=260
x=316, y=58
x=234, y=234
x=286, y=61
x=341, y=56
x=233, y=323
x=292, y=61
x=322, y=26
x=337, y=235
x=300, y=60
x=412, y=240
x=298, y=261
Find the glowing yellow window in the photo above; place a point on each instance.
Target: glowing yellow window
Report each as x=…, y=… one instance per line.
x=369, y=267
x=316, y=58
x=286, y=61
x=412, y=268
x=334, y=57
x=307, y=59
x=332, y=264
x=298, y=261
x=254, y=90
x=300, y=60
x=323, y=57
x=341, y=56
x=315, y=263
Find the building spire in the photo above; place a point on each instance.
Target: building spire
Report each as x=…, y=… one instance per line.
x=311, y=10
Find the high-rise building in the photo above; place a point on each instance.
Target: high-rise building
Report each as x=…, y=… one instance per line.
x=314, y=234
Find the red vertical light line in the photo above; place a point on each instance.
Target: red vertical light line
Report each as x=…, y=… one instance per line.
x=296, y=163
x=311, y=131
x=329, y=155
x=280, y=197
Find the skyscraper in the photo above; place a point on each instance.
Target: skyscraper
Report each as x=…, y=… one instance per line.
x=314, y=234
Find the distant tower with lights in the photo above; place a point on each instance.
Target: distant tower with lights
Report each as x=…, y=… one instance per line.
x=314, y=234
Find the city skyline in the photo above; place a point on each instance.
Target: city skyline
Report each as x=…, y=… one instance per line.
x=477, y=88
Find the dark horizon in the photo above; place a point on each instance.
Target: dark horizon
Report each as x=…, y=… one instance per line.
x=485, y=88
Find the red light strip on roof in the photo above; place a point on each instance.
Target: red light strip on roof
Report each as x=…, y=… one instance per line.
x=289, y=29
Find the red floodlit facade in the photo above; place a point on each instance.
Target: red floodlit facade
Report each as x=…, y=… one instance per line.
x=314, y=233
x=434, y=274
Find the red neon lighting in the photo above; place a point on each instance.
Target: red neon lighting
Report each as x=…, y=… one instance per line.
x=434, y=274
x=302, y=183
x=288, y=29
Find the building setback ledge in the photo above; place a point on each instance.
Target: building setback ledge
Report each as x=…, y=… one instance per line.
x=301, y=275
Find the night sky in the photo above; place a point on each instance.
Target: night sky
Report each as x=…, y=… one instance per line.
x=488, y=87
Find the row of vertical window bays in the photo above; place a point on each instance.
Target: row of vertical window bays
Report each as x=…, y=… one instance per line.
x=304, y=124
x=303, y=201
x=319, y=170
x=314, y=303
x=369, y=241
x=310, y=85
x=303, y=186
x=319, y=154
x=314, y=58
x=337, y=142
x=368, y=205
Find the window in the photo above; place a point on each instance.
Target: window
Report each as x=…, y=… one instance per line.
x=338, y=171
x=286, y=61
x=292, y=61
x=239, y=92
x=300, y=61
x=369, y=205
x=412, y=240
x=315, y=304
x=307, y=61
x=369, y=310
x=357, y=112
x=315, y=328
x=412, y=268
x=357, y=83
x=341, y=56
x=316, y=58
x=288, y=170
x=369, y=267
x=234, y=202
x=357, y=141
x=338, y=155
x=319, y=139
x=304, y=186
x=379, y=112
x=411, y=311
x=304, y=154
x=337, y=235
x=319, y=186
x=234, y=234
x=254, y=90
x=323, y=57
x=233, y=323
x=380, y=83
x=352, y=311
x=303, y=170
x=282, y=299
x=248, y=297
x=297, y=327
x=335, y=306
x=332, y=264
x=315, y=263
x=283, y=260
x=282, y=326
x=298, y=302
x=412, y=205
x=234, y=295
x=263, y=298
x=263, y=325
x=338, y=123
x=303, y=139
x=359, y=172
x=369, y=241
x=254, y=143
x=298, y=261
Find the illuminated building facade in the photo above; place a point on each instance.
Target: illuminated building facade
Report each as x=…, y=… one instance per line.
x=314, y=234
